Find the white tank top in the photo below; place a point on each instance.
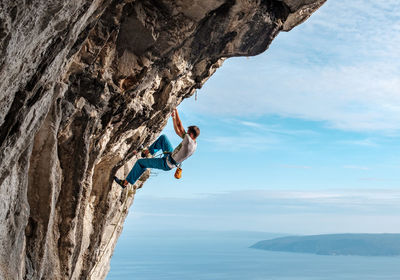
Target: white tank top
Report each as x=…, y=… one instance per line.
x=184, y=150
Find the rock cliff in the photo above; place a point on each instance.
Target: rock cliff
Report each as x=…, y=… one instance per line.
x=82, y=85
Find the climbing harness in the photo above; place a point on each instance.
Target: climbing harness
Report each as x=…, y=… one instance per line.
x=178, y=172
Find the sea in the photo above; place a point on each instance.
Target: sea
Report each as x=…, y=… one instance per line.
x=225, y=255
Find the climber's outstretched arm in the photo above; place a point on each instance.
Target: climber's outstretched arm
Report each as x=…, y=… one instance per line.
x=178, y=124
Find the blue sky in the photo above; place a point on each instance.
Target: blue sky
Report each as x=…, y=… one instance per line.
x=300, y=139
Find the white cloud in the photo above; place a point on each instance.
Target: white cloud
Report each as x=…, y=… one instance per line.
x=368, y=142
x=251, y=124
x=296, y=166
x=340, y=67
x=356, y=167
x=274, y=129
x=276, y=211
x=372, y=179
x=240, y=142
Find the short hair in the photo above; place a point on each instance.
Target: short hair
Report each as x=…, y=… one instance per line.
x=194, y=130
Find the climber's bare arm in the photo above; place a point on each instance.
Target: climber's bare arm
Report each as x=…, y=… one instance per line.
x=178, y=127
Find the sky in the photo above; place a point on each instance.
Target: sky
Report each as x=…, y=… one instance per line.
x=302, y=139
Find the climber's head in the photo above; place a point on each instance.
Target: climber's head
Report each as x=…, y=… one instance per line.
x=193, y=131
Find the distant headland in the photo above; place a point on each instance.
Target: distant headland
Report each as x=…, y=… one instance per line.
x=336, y=244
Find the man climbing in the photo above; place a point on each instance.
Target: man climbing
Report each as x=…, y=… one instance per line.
x=171, y=159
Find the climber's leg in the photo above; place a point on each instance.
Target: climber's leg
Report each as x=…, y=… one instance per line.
x=162, y=143
x=142, y=164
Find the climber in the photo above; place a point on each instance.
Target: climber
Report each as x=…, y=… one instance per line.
x=171, y=159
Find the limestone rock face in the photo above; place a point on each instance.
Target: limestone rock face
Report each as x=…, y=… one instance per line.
x=82, y=85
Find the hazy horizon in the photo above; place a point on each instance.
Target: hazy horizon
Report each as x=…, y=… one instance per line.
x=200, y=255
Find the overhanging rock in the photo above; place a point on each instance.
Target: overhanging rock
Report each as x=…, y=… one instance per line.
x=83, y=84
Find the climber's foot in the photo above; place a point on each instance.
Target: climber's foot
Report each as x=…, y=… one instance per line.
x=145, y=153
x=122, y=183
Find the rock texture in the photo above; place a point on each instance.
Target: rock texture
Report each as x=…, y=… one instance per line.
x=83, y=84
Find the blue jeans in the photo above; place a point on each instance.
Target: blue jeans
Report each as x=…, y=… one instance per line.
x=162, y=143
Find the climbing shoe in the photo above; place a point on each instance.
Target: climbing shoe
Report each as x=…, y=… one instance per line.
x=145, y=153
x=120, y=182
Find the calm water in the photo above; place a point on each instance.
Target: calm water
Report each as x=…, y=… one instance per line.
x=207, y=255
